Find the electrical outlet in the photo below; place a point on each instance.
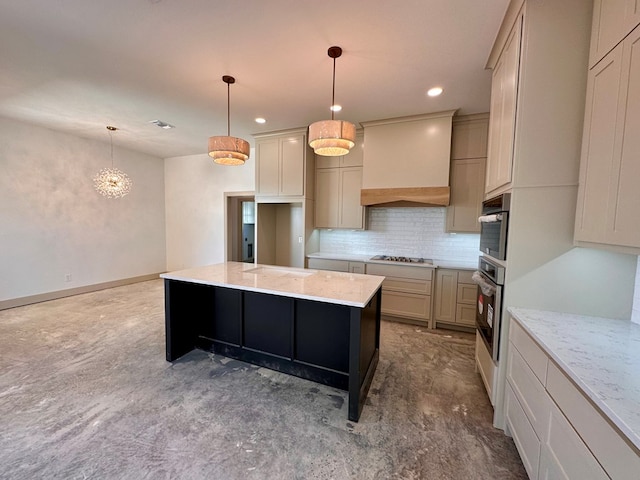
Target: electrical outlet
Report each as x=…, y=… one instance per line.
x=67, y=277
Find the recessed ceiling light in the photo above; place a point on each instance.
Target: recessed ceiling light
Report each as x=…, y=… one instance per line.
x=335, y=108
x=162, y=124
x=261, y=120
x=434, y=92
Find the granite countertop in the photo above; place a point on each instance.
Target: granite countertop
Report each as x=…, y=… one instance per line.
x=601, y=355
x=350, y=289
x=437, y=263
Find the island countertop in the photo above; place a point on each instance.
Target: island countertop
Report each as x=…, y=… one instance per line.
x=341, y=288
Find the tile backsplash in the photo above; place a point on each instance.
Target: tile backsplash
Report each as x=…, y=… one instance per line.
x=407, y=231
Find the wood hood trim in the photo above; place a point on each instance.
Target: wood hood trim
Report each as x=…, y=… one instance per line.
x=400, y=197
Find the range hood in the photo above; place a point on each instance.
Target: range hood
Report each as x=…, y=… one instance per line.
x=406, y=161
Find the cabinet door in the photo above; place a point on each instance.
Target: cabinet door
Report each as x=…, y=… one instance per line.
x=355, y=158
x=446, y=289
x=292, y=152
x=623, y=226
x=356, y=267
x=597, y=159
x=608, y=27
x=467, y=192
x=351, y=212
x=564, y=455
x=327, y=197
x=502, y=121
x=327, y=162
x=267, y=167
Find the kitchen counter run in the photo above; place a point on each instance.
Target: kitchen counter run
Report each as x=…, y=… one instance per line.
x=453, y=264
x=324, y=286
x=601, y=355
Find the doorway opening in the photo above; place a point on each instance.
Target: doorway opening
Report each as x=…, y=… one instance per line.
x=240, y=225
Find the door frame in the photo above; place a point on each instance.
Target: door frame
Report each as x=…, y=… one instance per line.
x=233, y=224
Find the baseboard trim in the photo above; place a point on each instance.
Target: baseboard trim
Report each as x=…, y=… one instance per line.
x=44, y=297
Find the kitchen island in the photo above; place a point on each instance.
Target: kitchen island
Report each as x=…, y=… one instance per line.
x=319, y=325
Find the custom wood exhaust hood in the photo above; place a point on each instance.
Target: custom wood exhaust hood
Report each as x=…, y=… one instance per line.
x=406, y=161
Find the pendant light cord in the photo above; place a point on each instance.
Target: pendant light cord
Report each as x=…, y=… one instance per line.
x=111, y=142
x=228, y=111
x=333, y=91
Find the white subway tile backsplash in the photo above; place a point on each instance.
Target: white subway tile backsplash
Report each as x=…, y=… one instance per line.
x=409, y=231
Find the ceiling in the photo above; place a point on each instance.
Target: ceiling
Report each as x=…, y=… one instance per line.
x=77, y=65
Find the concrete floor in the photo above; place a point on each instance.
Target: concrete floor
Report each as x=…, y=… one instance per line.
x=85, y=392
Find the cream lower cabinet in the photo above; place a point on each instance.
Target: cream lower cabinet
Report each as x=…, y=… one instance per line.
x=336, y=265
x=406, y=292
x=455, y=298
x=608, y=193
x=559, y=434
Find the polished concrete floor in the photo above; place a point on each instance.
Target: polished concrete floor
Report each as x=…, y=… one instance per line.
x=85, y=393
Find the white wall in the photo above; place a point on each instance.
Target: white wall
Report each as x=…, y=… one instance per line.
x=407, y=231
x=194, y=196
x=53, y=223
x=635, y=313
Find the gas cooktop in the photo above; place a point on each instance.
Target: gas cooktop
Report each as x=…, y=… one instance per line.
x=390, y=258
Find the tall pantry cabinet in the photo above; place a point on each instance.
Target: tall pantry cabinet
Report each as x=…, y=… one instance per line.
x=608, y=195
x=544, y=270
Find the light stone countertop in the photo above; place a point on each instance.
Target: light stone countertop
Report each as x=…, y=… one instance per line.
x=352, y=257
x=350, y=289
x=601, y=355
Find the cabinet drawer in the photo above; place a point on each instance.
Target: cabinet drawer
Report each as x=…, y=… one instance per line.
x=467, y=293
x=400, y=271
x=464, y=276
x=532, y=354
x=328, y=264
x=530, y=392
x=524, y=436
x=619, y=459
x=564, y=454
x=407, y=286
x=466, y=314
x=406, y=305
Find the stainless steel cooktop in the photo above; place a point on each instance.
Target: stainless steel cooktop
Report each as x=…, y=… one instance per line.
x=391, y=258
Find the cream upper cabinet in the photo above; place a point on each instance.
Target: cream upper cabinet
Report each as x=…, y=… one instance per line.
x=281, y=161
x=608, y=194
x=338, y=184
x=468, y=166
x=502, y=122
x=612, y=21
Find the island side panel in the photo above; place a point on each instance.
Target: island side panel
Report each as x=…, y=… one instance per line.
x=225, y=325
x=364, y=353
x=187, y=306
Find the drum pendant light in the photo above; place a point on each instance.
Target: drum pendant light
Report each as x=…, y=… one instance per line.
x=228, y=150
x=332, y=138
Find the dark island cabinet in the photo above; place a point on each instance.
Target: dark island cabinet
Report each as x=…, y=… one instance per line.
x=332, y=344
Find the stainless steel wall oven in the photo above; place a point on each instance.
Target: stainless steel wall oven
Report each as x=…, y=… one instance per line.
x=490, y=280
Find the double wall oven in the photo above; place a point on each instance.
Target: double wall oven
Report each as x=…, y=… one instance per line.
x=490, y=280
